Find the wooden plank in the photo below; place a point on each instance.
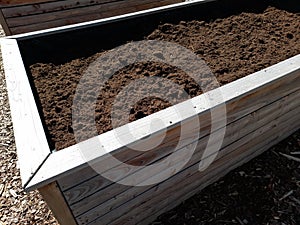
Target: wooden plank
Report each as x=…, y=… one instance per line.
x=131, y=192
x=110, y=205
x=68, y=182
x=31, y=142
x=144, y=200
x=65, y=28
x=259, y=89
x=194, y=190
x=56, y=202
x=5, y=3
x=166, y=193
x=257, y=118
x=46, y=7
x=4, y=24
x=88, y=16
x=89, y=194
x=110, y=8
x=134, y=158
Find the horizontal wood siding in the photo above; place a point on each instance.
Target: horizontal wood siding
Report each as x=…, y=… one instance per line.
x=235, y=132
x=21, y=2
x=171, y=193
x=256, y=121
x=117, y=197
x=144, y=215
x=48, y=7
x=25, y=16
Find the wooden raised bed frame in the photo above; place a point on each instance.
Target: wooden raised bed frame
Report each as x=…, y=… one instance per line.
x=262, y=109
x=20, y=16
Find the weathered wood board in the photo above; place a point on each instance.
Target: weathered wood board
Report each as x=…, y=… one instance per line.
x=20, y=16
x=84, y=197
x=26, y=119
x=56, y=201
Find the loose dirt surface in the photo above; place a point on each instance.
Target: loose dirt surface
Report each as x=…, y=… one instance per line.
x=263, y=191
x=232, y=47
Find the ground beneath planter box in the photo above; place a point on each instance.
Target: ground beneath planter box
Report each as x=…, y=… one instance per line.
x=232, y=47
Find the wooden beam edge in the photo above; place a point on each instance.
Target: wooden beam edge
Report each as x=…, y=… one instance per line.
x=4, y=23
x=13, y=3
x=31, y=142
x=57, y=203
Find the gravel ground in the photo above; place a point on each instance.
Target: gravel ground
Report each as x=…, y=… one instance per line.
x=218, y=204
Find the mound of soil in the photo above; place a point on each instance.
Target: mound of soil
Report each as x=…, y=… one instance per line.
x=232, y=47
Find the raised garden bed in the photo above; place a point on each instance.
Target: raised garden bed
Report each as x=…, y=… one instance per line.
x=261, y=108
x=20, y=16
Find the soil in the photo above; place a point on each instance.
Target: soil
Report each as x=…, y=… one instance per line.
x=232, y=47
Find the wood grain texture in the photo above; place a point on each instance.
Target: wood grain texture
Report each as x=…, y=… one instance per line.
x=167, y=193
x=242, y=97
x=54, y=6
x=194, y=189
x=84, y=12
x=44, y=15
x=94, y=15
x=4, y=24
x=58, y=27
x=7, y=3
x=89, y=194
x=236, y=129
x=31, y=142
x=130, y=193
x=55, y=200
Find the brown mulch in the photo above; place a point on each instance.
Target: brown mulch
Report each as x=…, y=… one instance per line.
x=264, y=191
